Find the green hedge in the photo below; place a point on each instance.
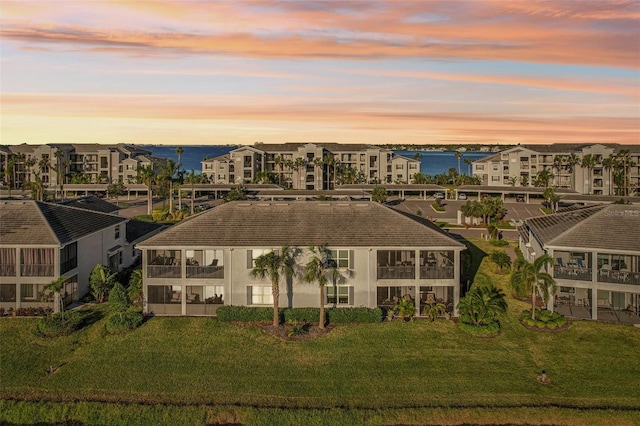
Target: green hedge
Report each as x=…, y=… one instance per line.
x=334, y=315
x=545, y=319
x=499, y=243
x=122, y=323
x=488, y=329
x=57, y=325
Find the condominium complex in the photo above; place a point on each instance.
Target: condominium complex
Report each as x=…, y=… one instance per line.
x=612, y=170
x=96, y=163
x=311, y=165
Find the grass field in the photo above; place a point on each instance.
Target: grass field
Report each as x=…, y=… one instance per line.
x=201, y=371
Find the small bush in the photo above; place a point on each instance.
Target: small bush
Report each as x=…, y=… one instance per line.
x=120, y=323
x=545, y=319
x=56, y=325
x=299, y=329
x=499, y=243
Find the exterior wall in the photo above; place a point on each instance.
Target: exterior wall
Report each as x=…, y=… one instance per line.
x=361, y=276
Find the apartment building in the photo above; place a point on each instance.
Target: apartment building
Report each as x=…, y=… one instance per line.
x=57, y=163
x=302, y=165
x=596, y=253
x=519, y=166
x=40, y=242
x=382, y=254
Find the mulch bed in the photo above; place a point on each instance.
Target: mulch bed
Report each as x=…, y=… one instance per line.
x=282, y=332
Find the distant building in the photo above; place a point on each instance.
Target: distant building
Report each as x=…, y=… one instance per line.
x=305, y=165
x=520, y=165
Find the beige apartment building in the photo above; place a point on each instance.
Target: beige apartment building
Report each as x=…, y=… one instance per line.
x=101, y=163
x=301, y=165
x=519, y=166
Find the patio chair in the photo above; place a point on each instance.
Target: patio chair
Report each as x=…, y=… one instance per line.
x=580, y=264
x=559, y=262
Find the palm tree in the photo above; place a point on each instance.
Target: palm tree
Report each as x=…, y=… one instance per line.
x=8, y=172
x=192, y=179
x=279, y=162
x=571, y=162
x=179, y=151
x=272, y=265
x=513, y=180
x=458, y=155
x=59, y=171
x=168, y=170
x=468, y=161
x=608, y=164
x=530, y=278
x=482, y=305
x=101, y=280
x=589, y=161
x=134, y=288
x=501, y=259
x=56, y=287
x=320, y=269
x=147, y=174
x=543, y=178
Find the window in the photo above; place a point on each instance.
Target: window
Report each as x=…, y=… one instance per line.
x=113, y=261
x=117, y=232
x=340, y=258
x=252, y=255
x=399, y=166
x=495, y=167
x=7, y=262
x=68, y=257
x=495, y=178
x=210, y=294
x=36, y=262
x=340, y=295
x=7, y=292
x=259, y=295
x=479, y=166
x=162, y=294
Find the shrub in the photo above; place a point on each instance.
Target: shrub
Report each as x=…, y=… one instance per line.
x=244, y=314
x=335, y=315
x=545, y=319
x=123, y=322
x=56, y=325
x=299, y=329
x=499, y=243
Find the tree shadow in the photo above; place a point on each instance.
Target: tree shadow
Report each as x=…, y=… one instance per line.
x=470, y=260
x=91, y=317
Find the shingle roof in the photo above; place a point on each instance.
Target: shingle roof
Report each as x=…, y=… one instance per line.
x=304, y=223
x=91, y=203
x=137, y=229
x=603, y=226
x=35, y=222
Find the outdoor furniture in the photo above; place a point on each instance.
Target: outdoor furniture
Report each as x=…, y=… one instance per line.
x=580, y=264
x=559, y=262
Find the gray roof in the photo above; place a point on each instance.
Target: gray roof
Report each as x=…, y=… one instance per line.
x=512, y=189
x=137, y=229
x=91, y=203
x=303, y=223
x=395, y=186
x=35, y=222
x=603, y=226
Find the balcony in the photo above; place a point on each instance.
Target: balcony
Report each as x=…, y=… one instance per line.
x=396, y=272
x=8, y=270
x=163, y=271
x=432, y=272
x=205, y=271
x=572, y=273
x=618, y=277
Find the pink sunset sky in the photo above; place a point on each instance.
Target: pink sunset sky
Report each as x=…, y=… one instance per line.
x=233, y=72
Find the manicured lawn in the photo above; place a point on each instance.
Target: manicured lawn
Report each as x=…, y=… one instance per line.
x=199, y=370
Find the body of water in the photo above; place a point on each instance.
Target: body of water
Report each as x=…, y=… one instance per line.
x=431, y=163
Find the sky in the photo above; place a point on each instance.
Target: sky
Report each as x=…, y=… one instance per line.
x=235, y=72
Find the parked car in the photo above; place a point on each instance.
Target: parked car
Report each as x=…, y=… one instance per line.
x=439, y=195
x=462, y=196
x=520, y=198
x=483, y=196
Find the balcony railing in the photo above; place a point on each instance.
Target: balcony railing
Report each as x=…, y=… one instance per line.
x=205, y=271
x=8, y=270
x=36, y=270
x=436, y=273
x=578, y=274
x=396, y=272
x=618, y=277
x=163, y=271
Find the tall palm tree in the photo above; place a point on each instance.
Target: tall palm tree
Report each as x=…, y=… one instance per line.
x=179, y=151
x=571, y=162
x=192, y=179
x=8, y=172
x=589, y=161
x=279, y=162
x=147, y=175
x=624, y=160
x=168, y=170
x=273, y=265
x=458, y=156
x=468, y=161
x=320, y=269
x=608, y=164
x=530, y=278
x=59, y=171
